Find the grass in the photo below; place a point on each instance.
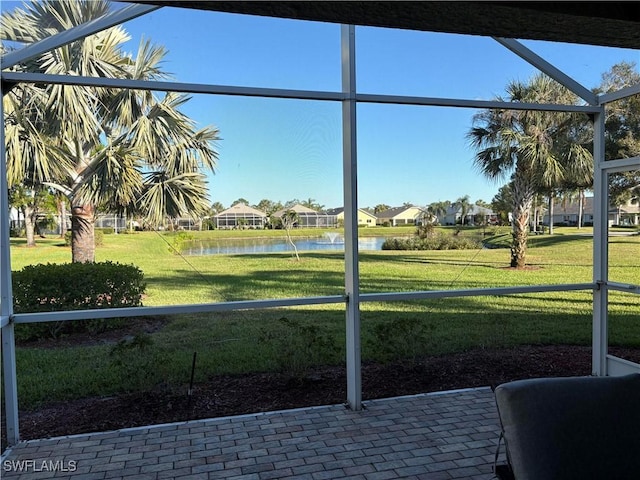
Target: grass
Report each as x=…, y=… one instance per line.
x=260, y=340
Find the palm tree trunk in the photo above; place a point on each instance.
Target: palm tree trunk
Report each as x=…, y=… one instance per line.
x=29, y=225
x=292, y=243
x=580, y=207
x=522, y=199
x=83, y=246
x=519, y=243
x=551, y=213
x=62, y=207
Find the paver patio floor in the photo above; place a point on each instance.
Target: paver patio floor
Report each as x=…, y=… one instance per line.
x=430, y=436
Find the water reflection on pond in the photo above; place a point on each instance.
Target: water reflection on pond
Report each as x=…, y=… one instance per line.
x=271, y=245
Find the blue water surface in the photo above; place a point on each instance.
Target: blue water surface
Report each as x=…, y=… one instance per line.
x=272, y=245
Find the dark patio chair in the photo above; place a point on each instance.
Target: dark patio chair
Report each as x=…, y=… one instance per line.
x=570, y=428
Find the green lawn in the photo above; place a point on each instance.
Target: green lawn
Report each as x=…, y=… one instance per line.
x=261, y=340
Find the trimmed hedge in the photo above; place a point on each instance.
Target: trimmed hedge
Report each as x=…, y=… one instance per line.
x=75, y=286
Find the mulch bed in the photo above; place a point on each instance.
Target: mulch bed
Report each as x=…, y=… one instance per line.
x=252, y=393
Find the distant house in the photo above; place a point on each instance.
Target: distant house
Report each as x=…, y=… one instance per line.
x=115, y=221
x=567, y=213
x=365, y=219
x=627, y=214
x=308, y=217
x=240, y=215
x=401, y=216
x=476, y=215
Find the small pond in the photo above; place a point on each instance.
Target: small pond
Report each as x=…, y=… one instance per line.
x=270, y=245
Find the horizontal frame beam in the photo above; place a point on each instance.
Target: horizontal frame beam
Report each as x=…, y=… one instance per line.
x=17, y=77
x=620, y=165
x=623, y=287
x=170, y=86
x=474, y=292
x=40, y=317
x=488, y=104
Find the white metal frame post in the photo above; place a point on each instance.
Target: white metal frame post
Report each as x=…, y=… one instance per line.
x=600, y=249
x=350, y=170
x=6, y=302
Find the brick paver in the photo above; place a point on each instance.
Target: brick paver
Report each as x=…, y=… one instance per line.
x=431, y=436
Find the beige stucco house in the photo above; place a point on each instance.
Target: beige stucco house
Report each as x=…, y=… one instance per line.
x=365, y=219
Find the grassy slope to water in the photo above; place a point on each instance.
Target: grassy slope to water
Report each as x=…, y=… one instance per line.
x=258, y=340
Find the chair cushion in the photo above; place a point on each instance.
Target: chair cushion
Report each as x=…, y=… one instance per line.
x=572, y=428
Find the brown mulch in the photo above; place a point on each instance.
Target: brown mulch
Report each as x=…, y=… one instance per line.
x=252, y=393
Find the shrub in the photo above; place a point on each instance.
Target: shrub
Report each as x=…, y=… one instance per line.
x=179, y=239
x=436, y=242
x=428, y=230
x=17, y=232
x=74, y=286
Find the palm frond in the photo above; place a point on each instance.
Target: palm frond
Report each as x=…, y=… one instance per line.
x=182, y=195
x=112, y=179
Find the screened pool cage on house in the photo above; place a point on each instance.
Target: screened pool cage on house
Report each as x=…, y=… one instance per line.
x=349, y=98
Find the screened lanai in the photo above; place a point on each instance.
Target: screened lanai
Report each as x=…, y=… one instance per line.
x=606, y=23
x=241, y=215
x=308, y=217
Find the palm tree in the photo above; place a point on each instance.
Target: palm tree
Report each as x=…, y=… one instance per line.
x=536, y=148
x=103, y=148
x=312, y=204
x=240, y=200
x=463, y=205
x=23, y=200
x=438, y=209
x=215, y=208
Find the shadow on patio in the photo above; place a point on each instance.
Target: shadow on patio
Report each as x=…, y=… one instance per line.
x=430, y=436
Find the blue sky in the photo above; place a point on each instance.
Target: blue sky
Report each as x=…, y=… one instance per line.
x=285, y=149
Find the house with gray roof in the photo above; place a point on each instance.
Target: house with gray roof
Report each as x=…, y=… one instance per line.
x=476, y=215
x=568, y=213
x=406, y=215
